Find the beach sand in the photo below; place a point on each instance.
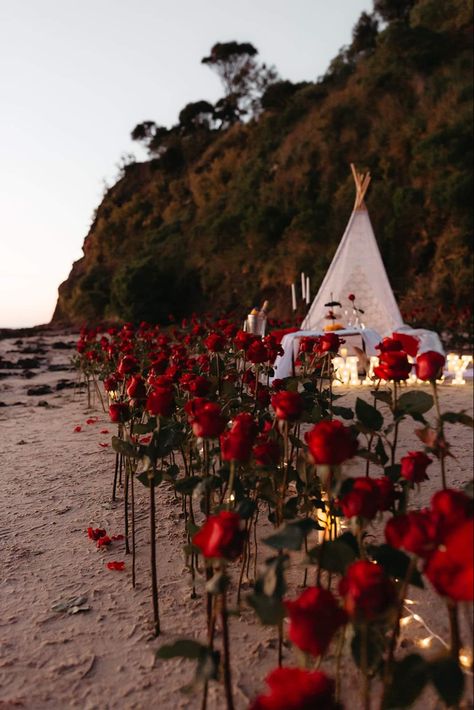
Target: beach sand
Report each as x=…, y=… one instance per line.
x=54, y=483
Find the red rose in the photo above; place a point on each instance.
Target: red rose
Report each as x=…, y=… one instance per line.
x=257, y=352
x=266, y=452
x=451, y=508
x=414, y=466
x=245, y=423
x=450, y=568
x=221, y=536
x=111, y=383
x=96, y=533
x=243, y=340
x=159, y=364
x=409, y=343
x=367, y=591
x=278, y=384
x=388, y=345
x=307, y=344
x=393, y=365
x=386, y=492
x=208, y=421
x=235, y=446
x=429, y=365
x=329, y=343
x=362, y=500
x=288, y=405
x=119, y=412
x=351, y=297
x=199, y=386
x=128, y=365
x=136, y=388
x=296, y=689
x=414, y=532
x=331, y=443
x=215, y=342
x=160, y=401
x=314, y=619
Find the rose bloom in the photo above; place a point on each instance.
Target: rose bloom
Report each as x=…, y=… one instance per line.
x=236, y=445
x=414, y=466
x=362, y=500
x=367, y=591
x=160, y=401
x=314, y=619
x=388, y=345
x=288, y=405
x=307, y=344
x=243, y=340
x=257, y=352
x=451, y=508
x=266, y=452
x=351, y=297
x=450, y=568
x=136, y=387
x=215, y=342
x=409, y=343
x=331, y=443
x=393, y=365
x=429, y=365
x=296, y=689
x=221, y=536
x=386, y=492
x=328, y=343
x=127, y=365
x=245, y=423
x=119, y=412
x=415, y=532
x=208, y=421
x=199, y=386
x=111, y=383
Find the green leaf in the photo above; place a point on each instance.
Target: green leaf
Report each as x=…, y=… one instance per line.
x=344, y=412
x=380, y=451
x=183, y=648
x=448, y=679
x=123, y=447
x=334, y=555
x=375, y=647
x=187, y=485
x=150, y=477
x=415, y=402
x=395, y=563
x=368, y=415
x=369, y=456
x=409, y=677
x=269, y=590
x=270, y=610
x=458, y=418
x=393, y=472
x=382, y=396
x=291, y=536
x=146, y=428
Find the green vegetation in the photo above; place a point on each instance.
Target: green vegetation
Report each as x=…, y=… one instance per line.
x=228, y=212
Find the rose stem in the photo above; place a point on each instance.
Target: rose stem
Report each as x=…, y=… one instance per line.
x=364, y=666
x=154, y=584
x=455, y=642
x=114, y=488
x=395, y=432
x=226, y=658
x=441, y=431
x=132, y=492
x=125, y=505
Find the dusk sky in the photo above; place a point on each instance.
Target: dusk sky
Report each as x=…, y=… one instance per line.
x=76, y=77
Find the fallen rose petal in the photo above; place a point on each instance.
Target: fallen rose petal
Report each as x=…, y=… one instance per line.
x=118, y=566
x=105, y=540
x=77, y=429
x=104, y=431
x=96, y=533
x=104, y=446
x=145, y=439
x=118, y=537
x=92, y=420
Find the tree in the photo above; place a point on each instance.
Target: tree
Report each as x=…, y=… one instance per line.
x=152, y=136
x=198, y=114
x=364, y=34
x=390, y=10
x=243, y=77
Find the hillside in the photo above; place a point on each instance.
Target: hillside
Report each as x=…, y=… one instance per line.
x=226, y=218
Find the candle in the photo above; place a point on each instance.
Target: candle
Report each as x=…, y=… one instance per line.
x=293, y=297
x=343, y=352
x=303, y=286
x=307, y=290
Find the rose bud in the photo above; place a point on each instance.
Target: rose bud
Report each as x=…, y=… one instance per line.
x=450, y=568
x=296, y=689
x=429, y=365
x=119, y=412
x=128, y=365
x=288, y=406
x=221, y=536
x=136, y=387
x=393, y=365
x=368, y=592
x=266, y=452
x=215, y=342
x=331, y=443
x=414, y=465
x=160, y=402
x=314, y=619
x=351, y=297
x=414, y=532
x=208, y=421
x=257, y=352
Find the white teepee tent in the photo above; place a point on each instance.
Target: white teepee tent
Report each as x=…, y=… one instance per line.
x=357, y=268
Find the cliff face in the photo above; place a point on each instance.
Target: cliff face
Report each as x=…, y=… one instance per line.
x=227, y=218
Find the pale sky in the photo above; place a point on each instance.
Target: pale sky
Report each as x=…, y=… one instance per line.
x=77, y=75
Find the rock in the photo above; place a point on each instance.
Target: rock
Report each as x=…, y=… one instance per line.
x=28, y=374
x=65, y=384
x=27, y=363
x=60, y=368
x=61, y=345
x=39, y=390
x=43, y=403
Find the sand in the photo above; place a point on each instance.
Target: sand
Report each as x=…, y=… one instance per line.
x=54, y=483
